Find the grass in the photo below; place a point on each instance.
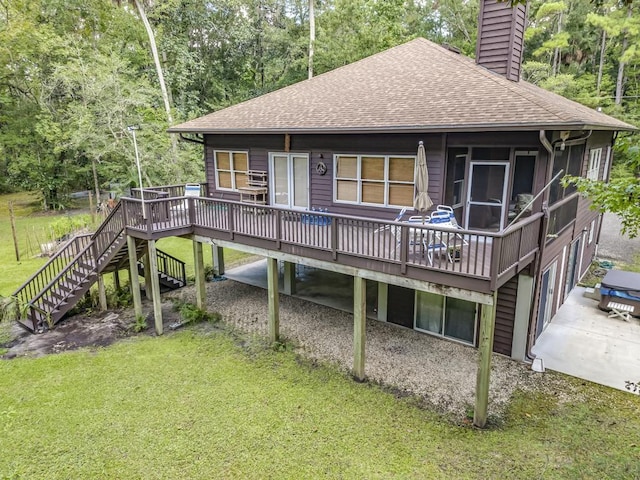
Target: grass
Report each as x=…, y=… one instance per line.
x=198, y=405
x=32, y=228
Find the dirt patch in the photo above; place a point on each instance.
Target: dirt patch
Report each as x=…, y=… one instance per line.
x=84, y=331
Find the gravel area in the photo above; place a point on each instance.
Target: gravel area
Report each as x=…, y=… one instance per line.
x=613, y=245
x=441, y=372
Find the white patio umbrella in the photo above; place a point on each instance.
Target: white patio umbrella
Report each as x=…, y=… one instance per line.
x=421, y=201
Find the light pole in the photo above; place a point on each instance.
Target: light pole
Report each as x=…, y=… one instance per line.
x=132, y=129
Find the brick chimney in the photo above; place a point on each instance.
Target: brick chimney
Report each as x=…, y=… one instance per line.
x=500, y=42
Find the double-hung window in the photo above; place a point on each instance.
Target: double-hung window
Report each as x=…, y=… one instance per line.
x=595, y=156
x=231, y=169
x=380, y=180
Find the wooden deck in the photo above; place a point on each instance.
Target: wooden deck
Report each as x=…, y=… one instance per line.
x=423, y=252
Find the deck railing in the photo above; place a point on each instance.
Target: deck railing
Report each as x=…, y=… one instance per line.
x=471, y=253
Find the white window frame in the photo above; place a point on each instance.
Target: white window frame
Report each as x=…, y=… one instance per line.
x=358, y=179
x=232, y=170
x=595, y=157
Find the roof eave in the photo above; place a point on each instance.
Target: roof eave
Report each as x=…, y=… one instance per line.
x=488, y=127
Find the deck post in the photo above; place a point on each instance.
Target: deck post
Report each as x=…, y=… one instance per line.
x=134, y=281
x=274, y=304
x=289, y=278
x=359, y=325
x=487, y=328
x=102, y=293
x=383, y=298
x=155, y=285
x=116, y=279
x=147, y=276
x=198, y=261
x=217, y=254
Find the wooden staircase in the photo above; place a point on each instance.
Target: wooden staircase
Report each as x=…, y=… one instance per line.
x=55, y=289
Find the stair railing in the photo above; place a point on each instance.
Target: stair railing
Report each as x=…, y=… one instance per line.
x=39, y=280
x=172, y=267
x=108, y=232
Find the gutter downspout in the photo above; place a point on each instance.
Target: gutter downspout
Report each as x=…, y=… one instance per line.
x=536, y=289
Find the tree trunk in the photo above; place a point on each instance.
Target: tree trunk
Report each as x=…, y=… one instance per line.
x=156, y=60
x=312, y=35
x=603, y=47
x=621, y=65
x=556, y=52
x=95, y=180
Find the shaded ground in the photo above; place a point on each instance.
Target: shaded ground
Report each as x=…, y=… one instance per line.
x=613, y=245
x=79, y=331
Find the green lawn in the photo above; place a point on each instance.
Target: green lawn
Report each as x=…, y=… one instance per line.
x=196, y=405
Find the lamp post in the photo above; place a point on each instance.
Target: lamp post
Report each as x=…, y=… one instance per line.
x=132, y=129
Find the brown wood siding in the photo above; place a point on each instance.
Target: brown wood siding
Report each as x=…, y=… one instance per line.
x=322, y=148
x=505, y=316
x=500, y=37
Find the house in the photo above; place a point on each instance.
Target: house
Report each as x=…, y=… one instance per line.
x=316, y=173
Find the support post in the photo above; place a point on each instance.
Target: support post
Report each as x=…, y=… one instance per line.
x=102, y=293
x=155, y=285
x=487, y=328
x=359, y=325
x=134, y=281
x=198, y=261
x=383, y=298
x=274, y=304
x=116, y=279
x=289, y=278
x=147, y=275
x=218, y=259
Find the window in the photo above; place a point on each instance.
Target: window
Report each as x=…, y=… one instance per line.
x=594, y=163
x=374, y=180
x=560, y=217
x=446, y=317
x=231, y=169
x=569, y=161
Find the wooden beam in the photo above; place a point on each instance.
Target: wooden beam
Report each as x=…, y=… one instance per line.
x=359, y=325
x=116, y=279
x=460, y=293
x=274, y=304
x=147, y=276
x=134, y=281
x=102, y=293
x=487, y=328
x=217, y=254
x=289, y=283
x=198, y=260
x=383, y=298
x=155, y=286
x=287, y=142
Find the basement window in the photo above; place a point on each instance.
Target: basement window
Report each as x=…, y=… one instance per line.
x=231, y=169
x=446, y=317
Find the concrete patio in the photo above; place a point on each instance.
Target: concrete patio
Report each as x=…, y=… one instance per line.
x=584, y=342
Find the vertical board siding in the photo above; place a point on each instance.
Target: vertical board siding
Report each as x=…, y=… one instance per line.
x=505, y=317
x=500, y=37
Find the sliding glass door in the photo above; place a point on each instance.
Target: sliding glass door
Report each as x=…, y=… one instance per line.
x=290, y=180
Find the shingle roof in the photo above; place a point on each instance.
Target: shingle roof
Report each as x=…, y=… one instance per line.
x=417, y=86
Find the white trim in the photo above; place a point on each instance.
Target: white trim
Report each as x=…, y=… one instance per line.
x=232, y=171
x=358, y=180
x=592, y=230
x=561, y=279
x=593, y=170
x=505, y=187
x=607, y=164
x=290, y=179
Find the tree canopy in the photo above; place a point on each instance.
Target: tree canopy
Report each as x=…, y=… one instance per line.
x=75, y=73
